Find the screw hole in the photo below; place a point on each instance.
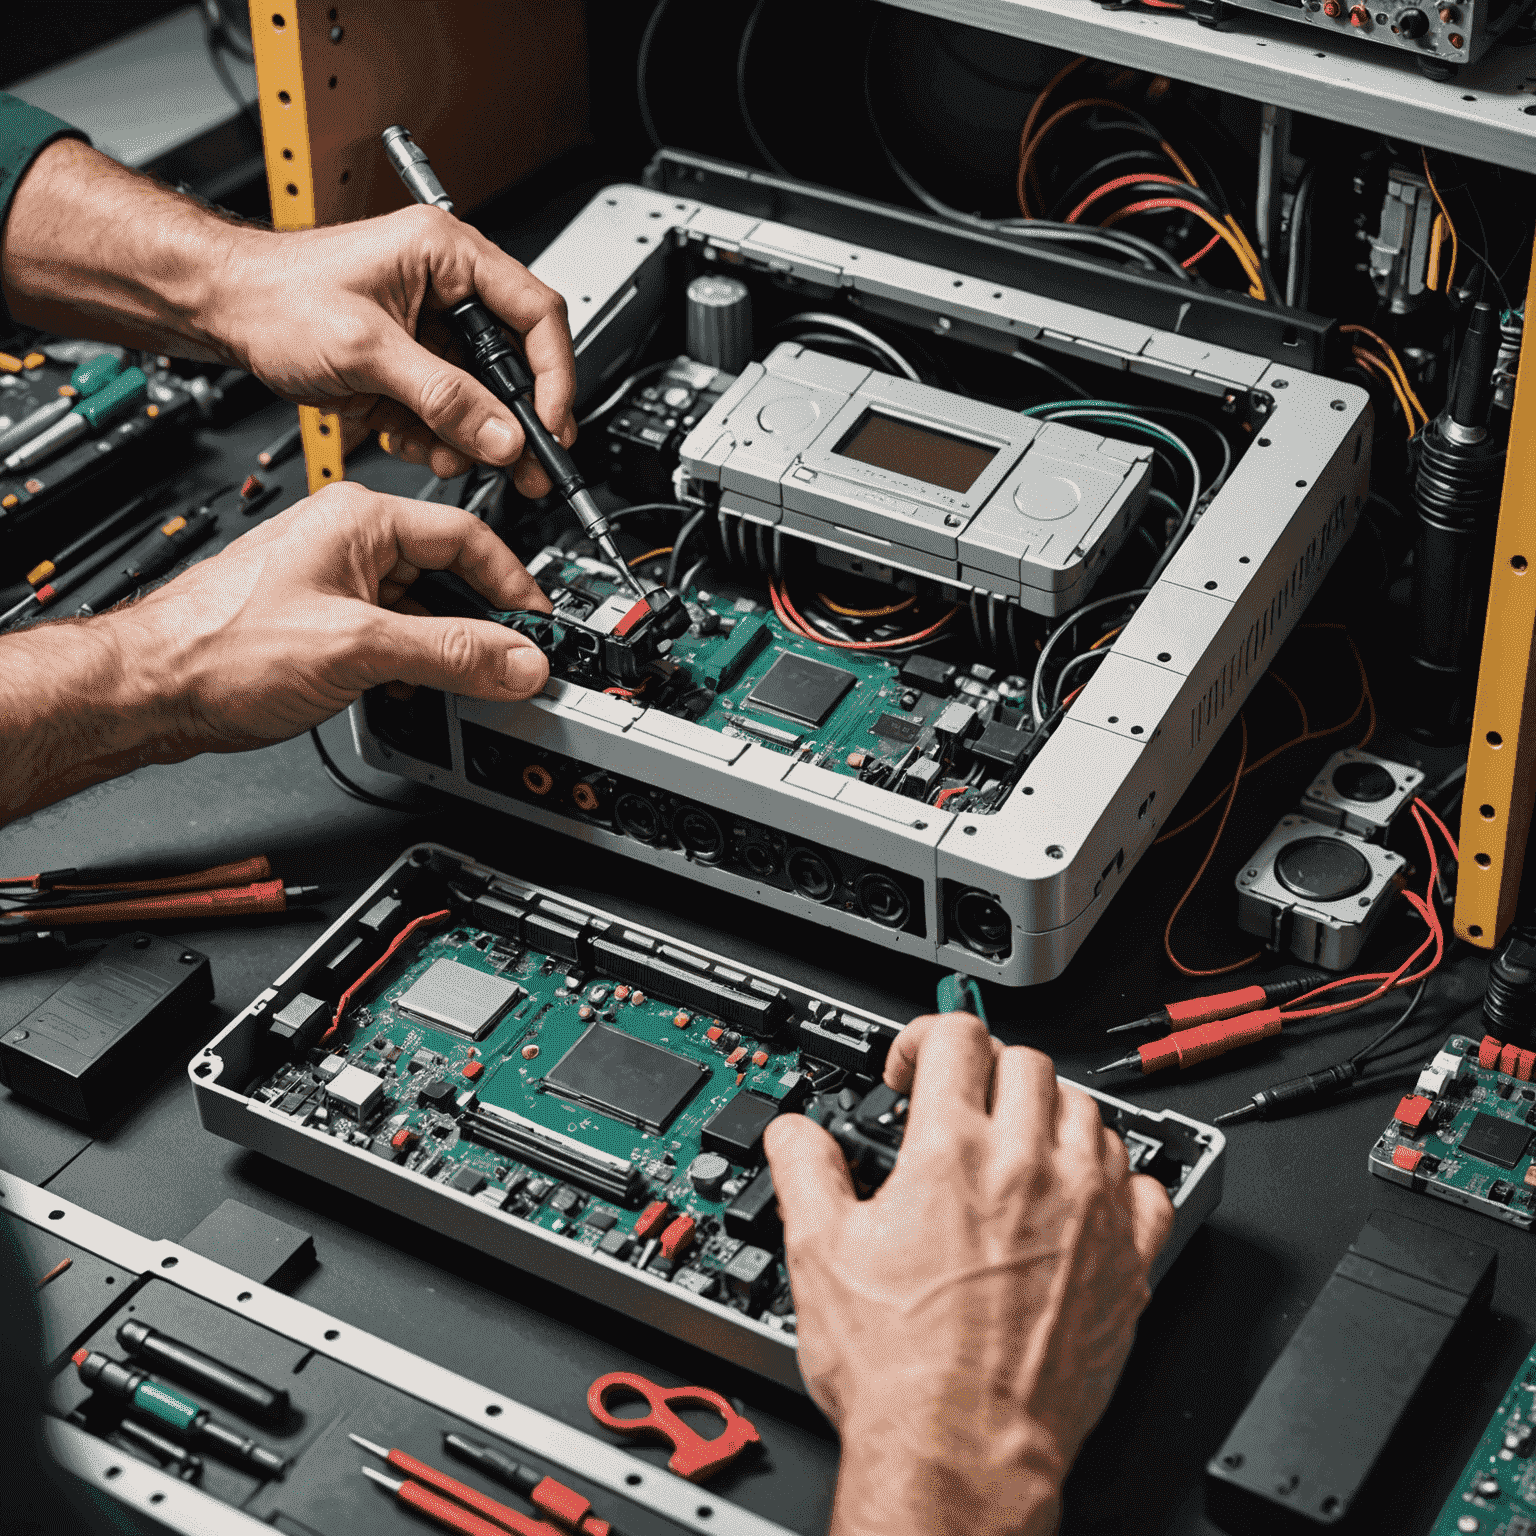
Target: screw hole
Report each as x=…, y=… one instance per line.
x=157, y=1498
x=332, y=1334
x=114, y=1472
x=970, y=831
x=55, y=1215
x=1263, y=442
x=1517, y=563
x=1330, y=1504
x=1482, y=860
x=1474, y=930
x=1114, y=719
x=1136, y=730
x=704, y=1511
x=493, y=1410
x=1028, y=789
x=168, y=1263
x=243, y=1296
x=634, y=1479
x=1300, y=484
x=284, y=97
x=325, y=473
x=1494, y=739
x=278, y=22
x=1210, y=586
x=1243, y=560
x=1486, y=812
x=287, y=154
x=331, y=83
x=1165, y=655
x=291, y=190
x=1055, y=851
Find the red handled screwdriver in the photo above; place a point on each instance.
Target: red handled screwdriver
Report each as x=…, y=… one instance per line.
x=503, y=1516
x=1189, y=1047
x=562, y=1504
x=1219, y=1005
x=233, y=901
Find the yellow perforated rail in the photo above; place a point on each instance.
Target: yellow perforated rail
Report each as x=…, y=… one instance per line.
x=1501, y=764
x=275, y=33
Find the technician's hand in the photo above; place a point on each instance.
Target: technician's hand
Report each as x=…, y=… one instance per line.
x=964, y=1328
x=293, y=621
x=351, y=318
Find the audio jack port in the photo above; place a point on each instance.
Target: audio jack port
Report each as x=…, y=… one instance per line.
x=538, y=778
x=1360, y=17
x=1333, y=9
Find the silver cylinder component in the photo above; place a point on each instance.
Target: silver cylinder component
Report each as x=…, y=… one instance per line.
x=49, y=441
x=29, y=426
x=719, y=329
x=410, y=160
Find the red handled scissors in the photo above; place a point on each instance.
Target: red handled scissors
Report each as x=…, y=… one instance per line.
x=693, y=1455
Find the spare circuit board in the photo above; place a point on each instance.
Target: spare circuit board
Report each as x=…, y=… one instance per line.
x=611, y=1088
x=1497, y=1493
x=909, y=723
x=653, y=1112
x=1467, y=1131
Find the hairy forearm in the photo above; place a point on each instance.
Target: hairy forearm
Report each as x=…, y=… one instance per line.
x=93, y=249
x=73, y=714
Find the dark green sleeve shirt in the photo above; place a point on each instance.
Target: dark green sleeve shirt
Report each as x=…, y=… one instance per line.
x=25, y=131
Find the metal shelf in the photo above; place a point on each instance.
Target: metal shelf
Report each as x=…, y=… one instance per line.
x=1488, y=112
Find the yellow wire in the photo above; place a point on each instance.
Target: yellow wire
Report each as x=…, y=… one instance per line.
x=1376, y=366
x=863, y=613
x=650, y=554
x=1395, y=361
x=1436, y=242
x=1445, y=213
x=1255, y=282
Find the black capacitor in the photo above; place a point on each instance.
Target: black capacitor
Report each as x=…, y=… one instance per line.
x=233, y=1388
x=1456, y=495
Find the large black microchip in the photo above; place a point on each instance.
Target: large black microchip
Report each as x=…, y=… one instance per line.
x=1491, y=1140
x=735, y=1130
x=801, y=689
x=632, y=1080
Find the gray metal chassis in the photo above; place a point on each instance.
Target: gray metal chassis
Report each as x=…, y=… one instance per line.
x=1098, y=793
x=222, y=1069
x=182, y=1507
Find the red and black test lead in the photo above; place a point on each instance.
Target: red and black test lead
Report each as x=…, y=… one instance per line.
x=1188, y=1047
x=1219, y=1005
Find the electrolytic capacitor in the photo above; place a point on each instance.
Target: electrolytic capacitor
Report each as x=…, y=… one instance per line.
x=719, y=324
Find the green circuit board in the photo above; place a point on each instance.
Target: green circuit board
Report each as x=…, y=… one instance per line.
x=1467, y=1133
x=844, y=710
x=439, y=1084
x=1496, y=1495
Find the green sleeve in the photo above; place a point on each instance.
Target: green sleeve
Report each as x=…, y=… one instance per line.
x=25, y=131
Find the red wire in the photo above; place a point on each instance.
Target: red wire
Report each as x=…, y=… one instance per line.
x=373, y=970
x=1116, y=184
x=1205, y=250
x=945, y=794
x=791, y=619
x=1389, y=980
x=1445, y=831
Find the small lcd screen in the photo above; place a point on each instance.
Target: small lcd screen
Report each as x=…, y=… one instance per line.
x=936, y=458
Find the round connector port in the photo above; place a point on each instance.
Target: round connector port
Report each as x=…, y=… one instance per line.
x=637, y=817
x=584, y=797
x=981, y=924
x=701, y=835
x=538, y=779
x=811, y=875
x=881, y=900
x=761, y=859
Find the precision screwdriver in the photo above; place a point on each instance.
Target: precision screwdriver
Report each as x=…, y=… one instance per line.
x=562, y=1504
x=234, y=901
x=165, y=548
x=1189, y=1047
x=89, y=567
x=185, y=1417
x=503, y=369
x=427, y=1476
x=280, y=449
x=1219, y=1005
x=223, y=1382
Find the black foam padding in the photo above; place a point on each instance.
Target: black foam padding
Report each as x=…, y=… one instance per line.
x=253, y=1243
x=800, y=688
x=85, y=1051
x=1303, y=1454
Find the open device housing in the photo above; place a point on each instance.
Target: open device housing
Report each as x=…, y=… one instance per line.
x=635, y=1070
x=1007, y=896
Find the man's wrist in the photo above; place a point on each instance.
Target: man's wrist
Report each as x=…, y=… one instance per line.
x=895, y=1480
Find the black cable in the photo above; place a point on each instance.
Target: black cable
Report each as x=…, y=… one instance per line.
x=356, y=791
x=747, y=33
x=1366, y=1052
x=686, y=532
x=642, y=69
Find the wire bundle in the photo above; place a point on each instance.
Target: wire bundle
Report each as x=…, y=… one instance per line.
x=794, y=621
x=1134, y=193
x=1386, y=365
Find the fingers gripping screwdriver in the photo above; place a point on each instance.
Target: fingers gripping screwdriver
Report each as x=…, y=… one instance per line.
x=500, y=365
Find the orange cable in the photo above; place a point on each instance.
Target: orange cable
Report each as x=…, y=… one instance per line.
x=1026, y=133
